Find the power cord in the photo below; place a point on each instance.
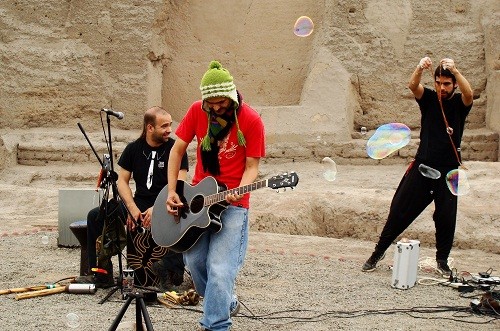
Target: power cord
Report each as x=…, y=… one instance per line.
x=292, y=316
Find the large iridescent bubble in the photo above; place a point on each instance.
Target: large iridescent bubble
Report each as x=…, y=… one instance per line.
x=387, y=139
x=457, y=182
x=429, y=172
x=303, y=27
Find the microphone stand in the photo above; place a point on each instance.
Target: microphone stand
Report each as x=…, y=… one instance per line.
x=109, y=182
x=112, y=178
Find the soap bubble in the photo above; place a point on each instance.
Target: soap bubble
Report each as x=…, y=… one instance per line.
x=72, y=320
x=303, y=27
x=387, y=139
x=429, y=172
x=320, y=140
x=45, y=240
x=329, y=169
x=457, y=182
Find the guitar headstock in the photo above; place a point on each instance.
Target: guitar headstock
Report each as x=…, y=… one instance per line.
x=284, y=180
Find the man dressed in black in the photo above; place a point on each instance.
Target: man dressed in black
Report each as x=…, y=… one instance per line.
x=443, y=114
x=145, y=160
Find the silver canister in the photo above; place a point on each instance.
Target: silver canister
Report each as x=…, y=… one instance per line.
x=127, y=282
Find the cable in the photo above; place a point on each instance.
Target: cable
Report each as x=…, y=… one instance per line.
x=432, y=281
x=293, y=316
x=273, y=317
x=429, y=264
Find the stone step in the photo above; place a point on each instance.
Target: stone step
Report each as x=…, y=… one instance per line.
x=77, y=176
x=70, y=148
x=477, y=145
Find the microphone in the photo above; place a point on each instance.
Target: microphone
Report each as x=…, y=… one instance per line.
x=111, y=112
x=138, y=226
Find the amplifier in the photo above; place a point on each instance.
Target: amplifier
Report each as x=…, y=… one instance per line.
x=74, y=205
x=404, y=272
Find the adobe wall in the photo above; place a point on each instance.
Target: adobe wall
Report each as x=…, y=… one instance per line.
x=62, y=61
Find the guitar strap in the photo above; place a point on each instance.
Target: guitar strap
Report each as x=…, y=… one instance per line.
x=449, y=130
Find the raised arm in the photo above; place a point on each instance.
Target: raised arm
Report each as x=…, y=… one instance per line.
x=414, y=83
x=463, y=84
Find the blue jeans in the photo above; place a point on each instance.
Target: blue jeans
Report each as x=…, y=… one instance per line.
x=214, y=262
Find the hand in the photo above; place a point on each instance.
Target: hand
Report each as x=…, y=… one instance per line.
x=425, y=63
x=136, y=215
x=146, y=217
x=448, y=64
x=130, y=224
x=233, y=197
x=173, y=203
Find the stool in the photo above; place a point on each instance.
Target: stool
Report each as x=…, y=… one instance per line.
x=79, y=229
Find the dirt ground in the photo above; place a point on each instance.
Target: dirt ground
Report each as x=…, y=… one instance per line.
x=302, y=271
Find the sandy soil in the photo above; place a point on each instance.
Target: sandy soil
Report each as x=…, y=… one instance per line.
x=303, y=267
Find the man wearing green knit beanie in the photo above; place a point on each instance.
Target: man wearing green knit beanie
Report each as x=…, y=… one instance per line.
x=230, y=143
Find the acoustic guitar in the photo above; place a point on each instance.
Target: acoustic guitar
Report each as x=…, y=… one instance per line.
x=203, y=205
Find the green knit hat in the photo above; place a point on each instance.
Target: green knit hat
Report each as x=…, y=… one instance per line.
x=218, y=82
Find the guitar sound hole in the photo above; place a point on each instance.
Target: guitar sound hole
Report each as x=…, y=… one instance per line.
x=197, y=204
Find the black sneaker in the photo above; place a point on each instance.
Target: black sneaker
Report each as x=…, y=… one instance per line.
x=371, y=263
x=443, y=268
x=168, y=280
x=176, y=278
x=159, y=269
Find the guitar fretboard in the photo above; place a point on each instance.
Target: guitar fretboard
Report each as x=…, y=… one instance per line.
x=218, y=197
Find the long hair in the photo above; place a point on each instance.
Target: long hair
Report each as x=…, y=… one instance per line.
x=150, y=118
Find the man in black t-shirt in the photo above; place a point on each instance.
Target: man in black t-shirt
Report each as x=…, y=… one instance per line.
x=443, y=114
x=144, y=159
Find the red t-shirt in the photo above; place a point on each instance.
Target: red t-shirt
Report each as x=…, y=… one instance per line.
x=232, y=157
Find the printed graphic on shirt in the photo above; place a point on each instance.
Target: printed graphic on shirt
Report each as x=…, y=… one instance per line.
x=226, y=151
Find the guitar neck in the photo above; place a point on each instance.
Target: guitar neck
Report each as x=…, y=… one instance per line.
x=218, y=197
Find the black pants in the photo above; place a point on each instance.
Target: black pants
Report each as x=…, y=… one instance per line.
x=414, y=193
x=95, y=224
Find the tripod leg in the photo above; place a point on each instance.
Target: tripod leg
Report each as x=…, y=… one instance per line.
x=140, y=303
x=138, y=315
x=110, y=293
x=120, y=314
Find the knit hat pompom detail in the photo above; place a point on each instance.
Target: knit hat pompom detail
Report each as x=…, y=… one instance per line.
x=215, y=65
x=218, y=82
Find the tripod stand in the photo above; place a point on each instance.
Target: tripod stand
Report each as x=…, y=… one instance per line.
x=140, y=311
